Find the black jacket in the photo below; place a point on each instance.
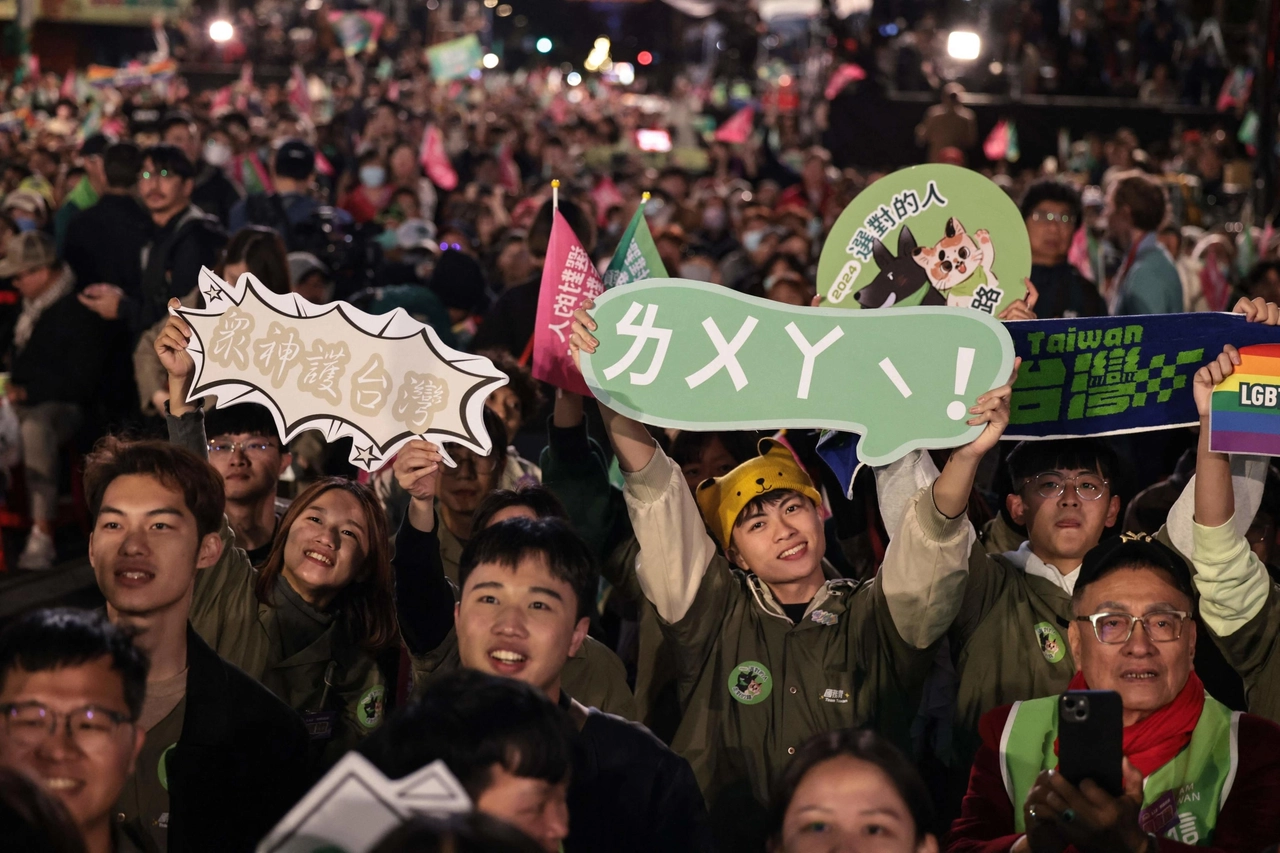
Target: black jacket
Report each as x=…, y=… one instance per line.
x=214, y=193
x=1066, y=293
x=240, y=764
x=104, y=244
x=171, y=265
x=509, y=323
x=63, y=360
x=630, y=792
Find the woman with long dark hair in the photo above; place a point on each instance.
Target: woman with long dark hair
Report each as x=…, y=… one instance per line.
x=312, y=623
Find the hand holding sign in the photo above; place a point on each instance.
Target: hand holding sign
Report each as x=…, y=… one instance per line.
x=695, y=356
x=382, y=380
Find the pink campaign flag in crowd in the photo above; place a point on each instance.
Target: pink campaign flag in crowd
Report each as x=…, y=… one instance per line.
x=737, y=128
x=568, y=278
x=435, y=161
x=299, y=97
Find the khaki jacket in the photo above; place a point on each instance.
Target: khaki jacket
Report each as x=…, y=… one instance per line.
x=333, y=674
x=753, y=684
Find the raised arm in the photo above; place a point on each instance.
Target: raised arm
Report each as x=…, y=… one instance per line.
x=424, y=598
x=675, y=549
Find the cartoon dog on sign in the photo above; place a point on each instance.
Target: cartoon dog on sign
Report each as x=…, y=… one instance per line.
x=898, y=278
x=959, y=264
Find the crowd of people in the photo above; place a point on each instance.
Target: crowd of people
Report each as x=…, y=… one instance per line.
x=615, y=637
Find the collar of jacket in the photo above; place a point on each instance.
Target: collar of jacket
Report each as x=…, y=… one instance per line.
x=206, y=721
x=831, y=596
x=326, y=648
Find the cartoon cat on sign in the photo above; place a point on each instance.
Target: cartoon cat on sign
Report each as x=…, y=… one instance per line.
x=959, y=264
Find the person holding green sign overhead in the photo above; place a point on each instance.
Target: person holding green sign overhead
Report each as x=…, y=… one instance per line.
x=768, y=651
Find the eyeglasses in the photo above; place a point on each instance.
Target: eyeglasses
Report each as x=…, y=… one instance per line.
x=1053, y=218
x=478, y=464
x=1112, y=629
x=1051, y=484
x=92, y=728
x=457, y=247
x=163, y=173
x=255, y=446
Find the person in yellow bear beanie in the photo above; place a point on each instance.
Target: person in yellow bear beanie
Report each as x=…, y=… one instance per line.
x=769, y=652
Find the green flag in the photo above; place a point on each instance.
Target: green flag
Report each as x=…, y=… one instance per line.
x=636, y=257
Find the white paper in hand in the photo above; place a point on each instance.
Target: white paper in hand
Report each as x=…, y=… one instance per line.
x=354, y=806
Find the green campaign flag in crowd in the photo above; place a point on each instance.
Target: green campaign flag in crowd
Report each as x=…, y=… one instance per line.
x=691, y=355
x=637, y=255
x=451, y=60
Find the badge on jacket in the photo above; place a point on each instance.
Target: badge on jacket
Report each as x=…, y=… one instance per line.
x=1051, y=645
x=369, y=709
x=750, y=683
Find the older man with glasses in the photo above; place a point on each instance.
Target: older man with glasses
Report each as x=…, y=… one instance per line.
x=71, y=691
x=1194, y=772
x=1051, y=211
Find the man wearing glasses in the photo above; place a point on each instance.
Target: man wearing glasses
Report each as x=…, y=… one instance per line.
x=245, y=450
x=1051, y=210
x=1195, y=773
x=71, y=691
x=185, y=239
x=461, y=491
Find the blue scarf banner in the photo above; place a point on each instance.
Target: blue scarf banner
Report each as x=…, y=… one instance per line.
x=1100, y=376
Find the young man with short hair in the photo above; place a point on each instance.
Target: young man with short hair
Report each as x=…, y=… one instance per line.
x=1148, y=281
x=505, y=742
x=768, y=651
x=185, y=240
x=528, y=587
x=246, y=452
x=224, y=758
x=71, y=690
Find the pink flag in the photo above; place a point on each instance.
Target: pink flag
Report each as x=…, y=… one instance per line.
x=221, y=101
x=323, y=166
x=606, y=195
x=568, y=278
x=299, y=97
x=68, y=91
x=997, y=144
x=435, y=161
x=843, y=76
x=737, y=128
x=508, y=171
x=1213, y=281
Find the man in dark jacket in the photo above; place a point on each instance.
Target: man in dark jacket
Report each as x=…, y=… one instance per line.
x=55, y=364
x=1051, y=210
x=104, y=243
x=185, y=239
x=527, y=589
x=224, y=759
x=213, y=191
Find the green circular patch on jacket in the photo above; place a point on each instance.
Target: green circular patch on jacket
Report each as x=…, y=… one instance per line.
x=369, y=709
x=750, y=682
x=162, y=771
x=1051, y=645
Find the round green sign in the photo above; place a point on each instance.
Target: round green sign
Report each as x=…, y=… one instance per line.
x=927, y=235
x=750, y=682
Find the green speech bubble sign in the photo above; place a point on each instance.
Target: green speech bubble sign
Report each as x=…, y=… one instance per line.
x=685, y=354
x=927, y=235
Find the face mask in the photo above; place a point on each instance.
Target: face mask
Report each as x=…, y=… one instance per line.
x=24, y=224
x=696, y=271
x=752, y=239
x=373, y=176
x=216, y=153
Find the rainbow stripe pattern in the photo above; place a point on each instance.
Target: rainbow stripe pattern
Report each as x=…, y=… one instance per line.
x=1245, y=412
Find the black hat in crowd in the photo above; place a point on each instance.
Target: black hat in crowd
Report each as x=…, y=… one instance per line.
x=1134, y=549
x=95, y=145
x=295, y=159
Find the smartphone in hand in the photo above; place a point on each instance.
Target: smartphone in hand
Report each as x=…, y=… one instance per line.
x=1091, y=738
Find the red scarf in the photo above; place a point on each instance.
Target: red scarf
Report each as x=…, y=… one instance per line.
x=1153, y=742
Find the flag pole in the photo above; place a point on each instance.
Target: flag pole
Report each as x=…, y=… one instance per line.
x=555, y=194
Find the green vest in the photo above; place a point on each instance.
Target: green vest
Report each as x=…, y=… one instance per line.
x=1199, y=777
